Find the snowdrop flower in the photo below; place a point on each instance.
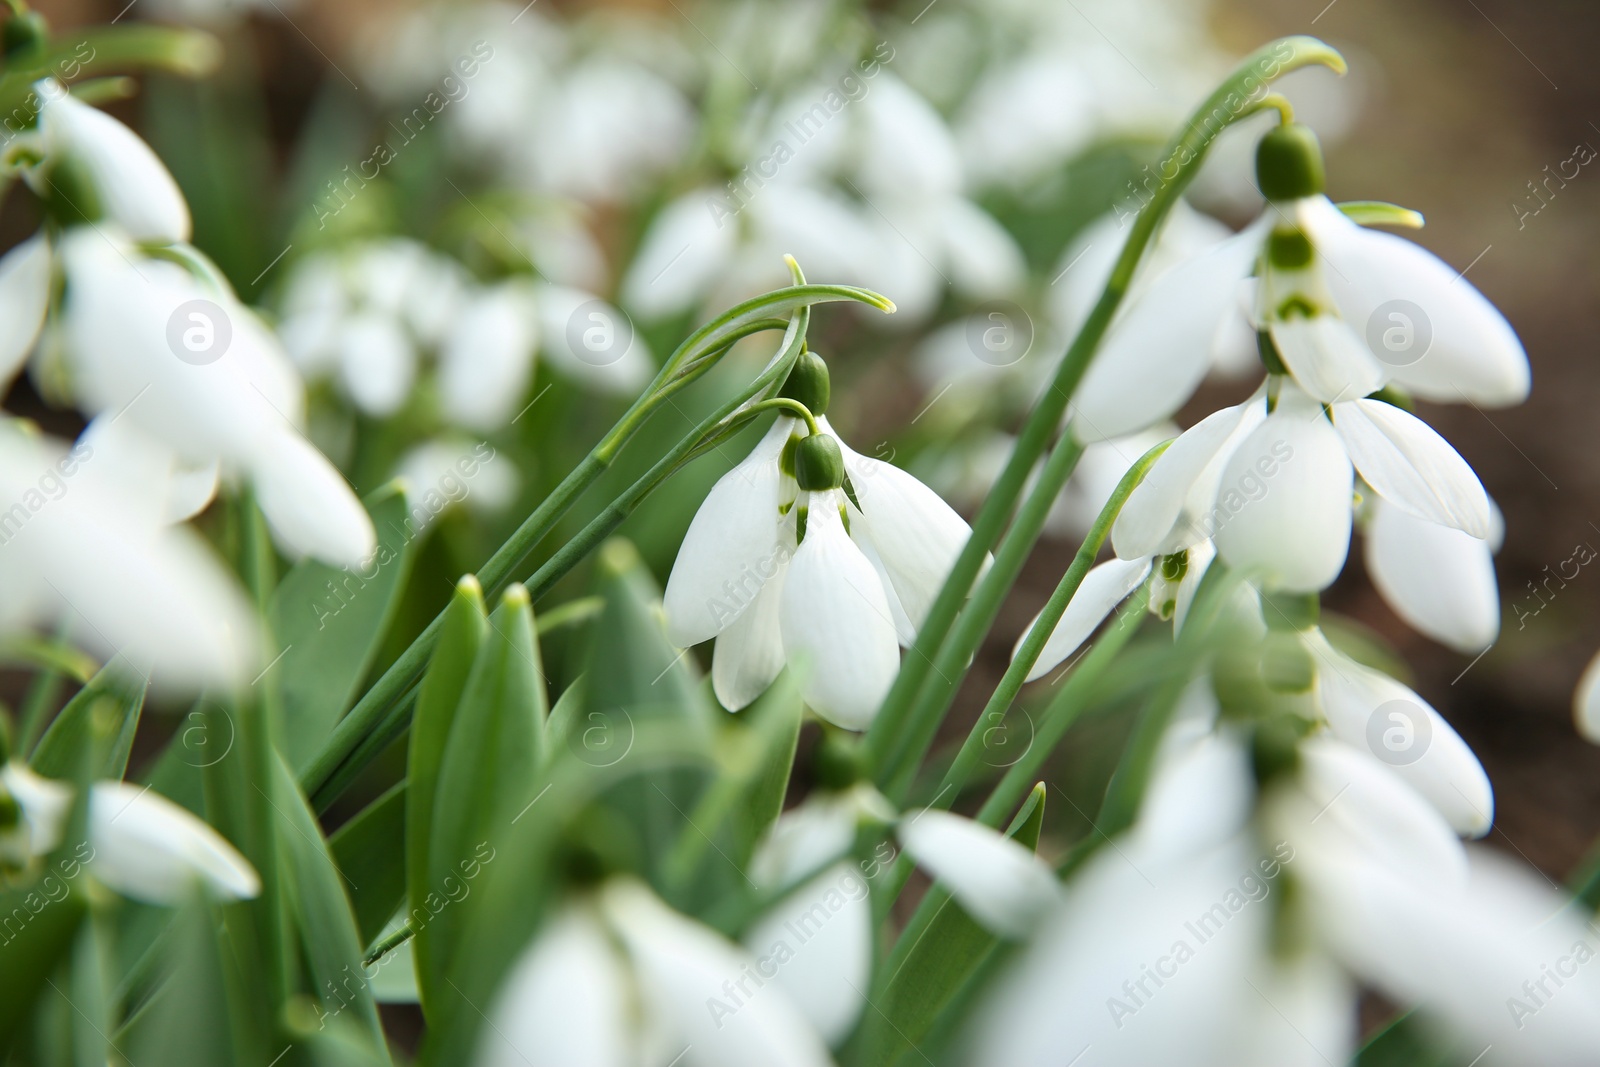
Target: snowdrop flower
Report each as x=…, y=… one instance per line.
x=444, y=472
x=1437, y=578
x=823, y=925
x=79, y=541
x=147, y=328
x=140, y=844
x=811, y=554
x=1233, y=926
x=616, y=978
x=1344, y=309
x=366, y=314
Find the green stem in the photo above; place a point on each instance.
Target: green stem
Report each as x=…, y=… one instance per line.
x=1027, y=653
x=388, y=945
x=1230, y=102
x=794, y=407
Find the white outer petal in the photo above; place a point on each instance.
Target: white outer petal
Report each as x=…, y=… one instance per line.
x=682, y=966
x=377, y=363
x=1158, y=352
x=1474, y=354
x=820, y=939
x=749, y=650
x=1303, y=1015
x=1467, y=956
x=487, y=358
x=999, y=882
x=310, y=507
x=136, y=190
x=1148, y=515
x=918, y=536
x=1102, y=589
x=1436, y=578
x=838, y=632
x=564, y=1002
x=983, y=260
x=1201, y=794
x=1327, y=357
x=24, y=299
x=1295, y=535
x=150, y=849
x=806, y=838
x=734, y=537
x=1408, y=463
x=1445, y=771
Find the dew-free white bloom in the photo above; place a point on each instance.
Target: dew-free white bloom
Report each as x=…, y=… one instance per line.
x=144, y=846
x=834, y=602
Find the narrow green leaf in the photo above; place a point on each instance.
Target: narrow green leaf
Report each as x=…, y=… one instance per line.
x=462, y=635
x=320, y=908
x=186, y=1019
x=103, y=716
x=36, y=933
x=1408, y=1042
x=488, y=776
x=365, y=850
x=329, y=622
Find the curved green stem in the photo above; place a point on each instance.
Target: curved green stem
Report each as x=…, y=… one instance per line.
x=784, y=403
x=1230, y=102
x=1027, y=653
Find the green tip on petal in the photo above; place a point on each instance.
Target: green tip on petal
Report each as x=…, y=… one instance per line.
x=1289, y=163
x=809, y=383
x=1290, y=611
x=819, y=464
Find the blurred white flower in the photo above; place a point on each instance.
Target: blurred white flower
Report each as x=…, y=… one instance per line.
x=444, y=472
x=139, y=843
x=366, y=313
x=616, y=978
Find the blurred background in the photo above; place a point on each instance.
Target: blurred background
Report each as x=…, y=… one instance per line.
x=589, y=138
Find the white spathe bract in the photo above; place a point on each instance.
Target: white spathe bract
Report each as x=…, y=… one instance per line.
x=144, y=846
x=836, y=603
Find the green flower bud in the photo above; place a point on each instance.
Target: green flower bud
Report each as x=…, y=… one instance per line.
x=1286, y=666
x=1289, y=163
x=71, y=197
x=838, y=764
x=23, y=34
x=1290, y=611
x=809, y=383
x=1275, y=746
x=818, y=463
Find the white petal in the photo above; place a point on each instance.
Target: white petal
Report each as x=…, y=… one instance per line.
x=44, y=803
x=819, y=940
x=24, y=299
x=684, y=250
x=1327, y=357
x=999, y=882
x=136, y=190
x=905, y=631
x=732, y=546
x=1158, y=352
x=1200, y=795
x=1354, y=810
x=917, y=535
x=564, y=1002
x=1436, y=578
x=1099, y=470
x=1382, y=717
x=487, y=360
x=308, y=504
x=1381, y=281
x=1410, y=465
x=1103, y=588
x=984, y=262
x=838, y=633
x=149, y=848
x=592, y=341
x=1503, y=962
x=806, y=838
x=1283, y=503
x=684, y=970
x=1302, y=1013
x=1586, y=702
x=749, y=651
x=1146, y=523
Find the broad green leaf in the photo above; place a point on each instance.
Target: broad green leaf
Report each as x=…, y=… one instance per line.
x=567, y=708
x=365, y=849
x=37, y=928
x=320, y=909
x=465, y=624
x=329, y=621
x=186, y=1019
x=932, y=962
x=488, y=776
x=773, y=725
x=103, y=715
